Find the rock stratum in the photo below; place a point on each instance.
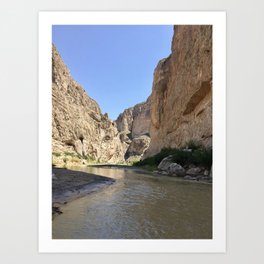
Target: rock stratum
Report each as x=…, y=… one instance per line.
x=181, y=99
x=78, y=124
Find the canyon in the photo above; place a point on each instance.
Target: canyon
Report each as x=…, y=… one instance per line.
x=179, y=109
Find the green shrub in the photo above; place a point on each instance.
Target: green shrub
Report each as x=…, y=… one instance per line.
x=203, y=156
x=199, y=156
x=193, y=145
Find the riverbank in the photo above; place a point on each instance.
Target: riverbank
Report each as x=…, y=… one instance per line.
x=156, y=172
x=68, y=185
x=139, y=205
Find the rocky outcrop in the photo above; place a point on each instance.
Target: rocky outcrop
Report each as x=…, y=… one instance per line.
x=77, y=122
x=181, y=99
x=171, y=168
x=138, y=146
x=133, y=125
x=135, y=121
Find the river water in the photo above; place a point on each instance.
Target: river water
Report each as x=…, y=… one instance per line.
x=138, y=206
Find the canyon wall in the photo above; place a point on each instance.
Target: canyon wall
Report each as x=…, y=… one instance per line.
x=181, y=99
x=134, y=125
x=78, y=126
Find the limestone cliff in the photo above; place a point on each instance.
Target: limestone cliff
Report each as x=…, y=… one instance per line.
x=135, y=120
x=181, y=99
x=77, y=122
x=134, y=125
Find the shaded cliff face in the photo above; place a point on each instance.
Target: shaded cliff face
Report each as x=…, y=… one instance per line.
x=181, y=99
x=77, y=122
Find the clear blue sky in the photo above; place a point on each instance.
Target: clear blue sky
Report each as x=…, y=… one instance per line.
x=114, y=64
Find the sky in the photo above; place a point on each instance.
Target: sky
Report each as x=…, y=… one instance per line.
x=113, y=63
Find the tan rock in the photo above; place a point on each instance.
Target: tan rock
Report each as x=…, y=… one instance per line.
x=181, y=99
x=77, y=122
x=135, y=121
x=137, y=147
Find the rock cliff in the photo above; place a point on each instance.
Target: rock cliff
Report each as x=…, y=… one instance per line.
x=181, y=99
x=134, y=125
x=135, y=120
x=77, y=122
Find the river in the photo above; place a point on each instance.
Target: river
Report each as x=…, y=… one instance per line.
x=138, y=206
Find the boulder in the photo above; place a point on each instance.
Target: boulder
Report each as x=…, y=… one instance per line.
x=176, y=169
x=165, y=163
x=171, y=168
x=193, y=171
x=206, y=173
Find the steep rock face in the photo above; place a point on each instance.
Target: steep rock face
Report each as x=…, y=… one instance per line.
x=77, y=122
x=181, y=99
x=135, y=120
x=138, y=146
x=134, y=125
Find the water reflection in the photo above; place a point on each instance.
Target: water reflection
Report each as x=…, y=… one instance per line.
x=138, y=206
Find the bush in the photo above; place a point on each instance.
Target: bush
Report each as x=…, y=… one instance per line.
x=203, y=156
x=193, y=145
x=199, y=156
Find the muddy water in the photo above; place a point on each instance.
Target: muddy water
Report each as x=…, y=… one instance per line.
x=138, y=206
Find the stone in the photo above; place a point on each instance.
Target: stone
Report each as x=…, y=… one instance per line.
x=193, y=171
x=138, y=146
x=176, y=169
x=135, y=120
x=171, y=167
x=206, y=173
x=78, y=124
x=133, y=126
x=165, y=163
x=181, y=98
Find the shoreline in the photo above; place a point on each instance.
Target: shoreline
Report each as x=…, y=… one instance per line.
x=68, y=185
x=154, y=173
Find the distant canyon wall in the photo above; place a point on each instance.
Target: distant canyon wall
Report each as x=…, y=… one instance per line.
x=134, y=126
x=181, y=99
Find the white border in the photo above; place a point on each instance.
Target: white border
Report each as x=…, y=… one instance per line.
x=218, y=20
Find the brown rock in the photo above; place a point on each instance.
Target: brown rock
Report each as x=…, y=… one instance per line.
x=181, y=99
x=133, y=125
x=135, y=120
x=77, y=122
x=138, y=147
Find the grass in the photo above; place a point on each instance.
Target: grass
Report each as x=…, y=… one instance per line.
x=199, y=156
